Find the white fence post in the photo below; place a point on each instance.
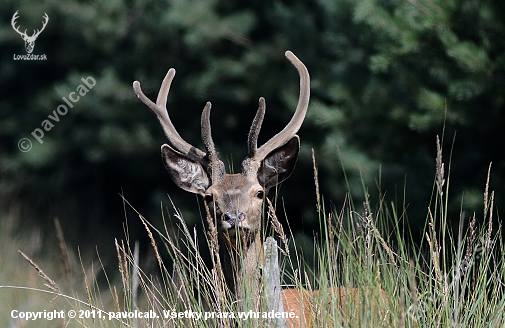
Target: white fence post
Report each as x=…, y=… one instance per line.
x=272, y=281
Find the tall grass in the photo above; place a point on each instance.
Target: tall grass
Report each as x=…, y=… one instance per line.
x=450, y=279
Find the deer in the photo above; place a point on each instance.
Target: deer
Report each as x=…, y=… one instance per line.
x=236, y=200
x=29, y=40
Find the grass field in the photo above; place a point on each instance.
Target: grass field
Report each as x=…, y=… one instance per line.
x=451, y=279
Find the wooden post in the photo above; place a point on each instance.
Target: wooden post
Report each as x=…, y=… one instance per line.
x=272, y=281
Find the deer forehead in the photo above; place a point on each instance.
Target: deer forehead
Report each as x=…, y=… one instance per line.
x=235, y=185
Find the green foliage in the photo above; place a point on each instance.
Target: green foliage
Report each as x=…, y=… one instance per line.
x=386, y=75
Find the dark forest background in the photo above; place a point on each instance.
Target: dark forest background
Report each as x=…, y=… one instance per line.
x=387, y=78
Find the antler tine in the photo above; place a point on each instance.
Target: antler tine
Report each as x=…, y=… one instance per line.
x=252, y=139
x=207, y=132
x=216, y=166
x=301, y=109
x=161, y=112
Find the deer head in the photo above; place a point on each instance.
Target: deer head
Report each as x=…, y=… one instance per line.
x=29, y=40
x=236, y=200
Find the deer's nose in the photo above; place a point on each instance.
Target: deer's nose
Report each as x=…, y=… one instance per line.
x=233, y=217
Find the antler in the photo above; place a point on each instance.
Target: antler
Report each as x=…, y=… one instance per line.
x=160, y=109
x=252, y=139
x=13, y=23
x=292, y=127
x=44, y=23
x=216, y=166
x=208, y=142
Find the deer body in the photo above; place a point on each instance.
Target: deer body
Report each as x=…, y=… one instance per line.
x=235, y=201
x=304, y=303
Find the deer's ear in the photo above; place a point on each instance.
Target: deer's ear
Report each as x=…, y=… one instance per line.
x=279, y=164
x=186, y=174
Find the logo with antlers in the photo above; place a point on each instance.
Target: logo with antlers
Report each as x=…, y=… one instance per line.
x=29, y=40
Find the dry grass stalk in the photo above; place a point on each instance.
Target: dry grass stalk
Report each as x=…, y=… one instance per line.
x=336, y=230
x=122, y=263
x=153, y=244
x=213, y=241
x=217, y=271
x=468, y=259
x=440, y=172
x=115, y=298
x=86, y=281
x=403, y=315
x=316, y=183
x=219, y=292
x=384, y=244
x=486, y=191
x=278, y=227
x=412, y=283
x=367, y=225
x=434, y=248
x=212, y=233
x=62, y=248
x=414, y=292
x=371, y=229
x=49, y=282
x=331, y=234
x=489, y=232
x=135, y=278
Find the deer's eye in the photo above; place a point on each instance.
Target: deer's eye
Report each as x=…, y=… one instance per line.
x=260, y=194
x=208, y=198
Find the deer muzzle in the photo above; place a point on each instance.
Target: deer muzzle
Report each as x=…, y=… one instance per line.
x=232, y=219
